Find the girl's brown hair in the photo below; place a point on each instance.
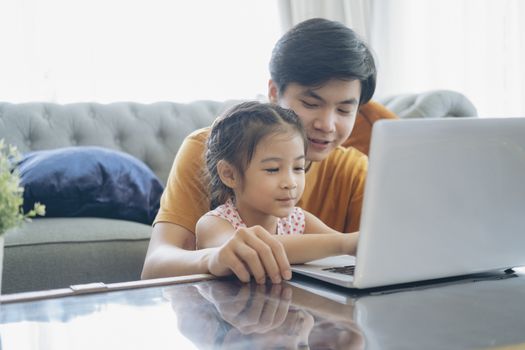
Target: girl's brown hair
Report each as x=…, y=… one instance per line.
x=235, y=135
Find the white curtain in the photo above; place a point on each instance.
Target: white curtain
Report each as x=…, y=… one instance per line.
x=354, y=13
x=144, y=51
x=476, y=47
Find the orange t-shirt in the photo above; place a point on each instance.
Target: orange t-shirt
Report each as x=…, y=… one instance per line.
x=368, y=114
x=333, y=191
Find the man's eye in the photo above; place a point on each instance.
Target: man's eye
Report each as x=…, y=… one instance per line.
x=309, y=105
x=350, y=110
x=271, y=170
x=299, y=169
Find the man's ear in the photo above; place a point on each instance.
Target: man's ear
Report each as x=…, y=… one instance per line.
x=228, y=174
x=272, y=92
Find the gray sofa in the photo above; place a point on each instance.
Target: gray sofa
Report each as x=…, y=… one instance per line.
x=58, y=252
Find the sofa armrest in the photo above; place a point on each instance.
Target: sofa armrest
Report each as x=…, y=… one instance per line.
x=430, y=104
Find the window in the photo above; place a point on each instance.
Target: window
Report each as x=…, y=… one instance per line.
x=476, y=47
x=145, y=51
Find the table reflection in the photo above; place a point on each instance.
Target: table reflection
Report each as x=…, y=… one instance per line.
x=231, y=315
x=479, y=313
x=482, y=312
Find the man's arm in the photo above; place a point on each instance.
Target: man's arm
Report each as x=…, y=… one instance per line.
x=171, y=252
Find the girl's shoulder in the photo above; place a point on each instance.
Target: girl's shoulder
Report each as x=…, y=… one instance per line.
x=228, y=212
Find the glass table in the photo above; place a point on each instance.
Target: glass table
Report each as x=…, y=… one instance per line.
x=199, y=312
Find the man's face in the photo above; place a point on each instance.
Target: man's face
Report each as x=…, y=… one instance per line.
x=328, y=112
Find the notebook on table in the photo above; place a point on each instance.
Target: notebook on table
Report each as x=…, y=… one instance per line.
x=443, y=198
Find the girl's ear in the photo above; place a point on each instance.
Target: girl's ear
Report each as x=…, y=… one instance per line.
x=228, y=174
x=272, y=92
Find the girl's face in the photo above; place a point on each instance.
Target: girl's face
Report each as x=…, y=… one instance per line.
x=327, y=112
x=273, y=180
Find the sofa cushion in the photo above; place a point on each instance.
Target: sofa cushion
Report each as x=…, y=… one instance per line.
x=50, y=253
x=90, y=181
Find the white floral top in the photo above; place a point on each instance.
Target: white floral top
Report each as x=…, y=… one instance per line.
x=293, y=224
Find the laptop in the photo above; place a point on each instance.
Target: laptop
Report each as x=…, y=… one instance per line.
x=443, y=198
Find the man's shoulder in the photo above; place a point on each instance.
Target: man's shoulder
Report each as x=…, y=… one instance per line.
x=199, y=135
x=191, y=149
x=373, y=111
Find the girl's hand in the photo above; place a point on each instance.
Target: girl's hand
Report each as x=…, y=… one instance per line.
x=251, y=251
x=349, y=245
x=257, y=308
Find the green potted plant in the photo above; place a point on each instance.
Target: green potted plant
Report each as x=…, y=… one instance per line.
x=11, y=196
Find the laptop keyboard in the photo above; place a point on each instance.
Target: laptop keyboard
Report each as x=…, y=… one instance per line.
x=344, y=270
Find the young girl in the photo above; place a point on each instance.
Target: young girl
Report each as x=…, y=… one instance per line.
x=256, y=166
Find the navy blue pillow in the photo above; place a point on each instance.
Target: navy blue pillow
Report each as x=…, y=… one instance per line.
x=90, y=181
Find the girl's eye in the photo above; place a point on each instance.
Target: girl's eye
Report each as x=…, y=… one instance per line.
x=271, y=170
x=344, y=112
x=299, y=169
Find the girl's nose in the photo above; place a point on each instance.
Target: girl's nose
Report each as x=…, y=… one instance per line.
x=289, y=184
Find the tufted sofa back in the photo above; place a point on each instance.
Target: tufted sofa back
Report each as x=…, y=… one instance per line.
x=431, y=104
x=154, y=132
x=149, y=132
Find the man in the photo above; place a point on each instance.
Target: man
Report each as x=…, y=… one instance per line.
x=324, y=72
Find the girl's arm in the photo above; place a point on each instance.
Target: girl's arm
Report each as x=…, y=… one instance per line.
x=319, y=241
x=304, y=248
x=245, y=251
x=212, y=231
x=254, y=251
